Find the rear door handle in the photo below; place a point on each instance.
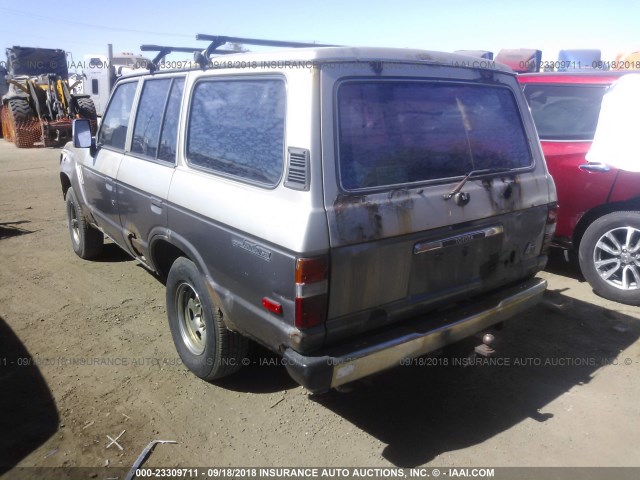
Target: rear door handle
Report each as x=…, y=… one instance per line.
x=595, y=167
x=109, y=184
x=156, y=205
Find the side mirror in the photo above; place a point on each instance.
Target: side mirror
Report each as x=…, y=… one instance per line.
x=82, y=133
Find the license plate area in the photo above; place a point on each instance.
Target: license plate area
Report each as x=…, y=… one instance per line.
x=449, y=263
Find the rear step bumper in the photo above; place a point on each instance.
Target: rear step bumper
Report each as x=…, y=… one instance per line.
x=342, y=364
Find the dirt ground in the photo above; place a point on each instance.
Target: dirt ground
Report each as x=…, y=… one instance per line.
x=86, y=353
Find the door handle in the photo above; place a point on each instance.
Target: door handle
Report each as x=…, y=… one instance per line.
x=595, y=167
x=109, y=185
x=156, y=206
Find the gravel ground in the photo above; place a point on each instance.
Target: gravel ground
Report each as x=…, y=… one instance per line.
x=86, y=353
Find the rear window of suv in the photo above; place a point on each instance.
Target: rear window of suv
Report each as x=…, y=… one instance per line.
x=565, y=112
x=396, y=131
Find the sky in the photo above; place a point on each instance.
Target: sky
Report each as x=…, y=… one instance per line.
x=84, y=28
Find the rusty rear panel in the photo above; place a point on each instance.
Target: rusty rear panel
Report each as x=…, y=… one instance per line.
x=356, y=218
x=380, y=282
x=402, y=250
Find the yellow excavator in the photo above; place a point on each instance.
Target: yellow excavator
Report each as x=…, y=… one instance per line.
x=39, y=106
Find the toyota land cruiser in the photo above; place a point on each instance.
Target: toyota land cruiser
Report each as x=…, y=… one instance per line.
x=345, y=207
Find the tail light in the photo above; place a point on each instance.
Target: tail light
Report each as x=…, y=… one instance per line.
x=550, y=227
x=312, y=287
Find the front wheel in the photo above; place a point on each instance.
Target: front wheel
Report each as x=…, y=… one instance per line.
x=610, y=256
x=205, y=345
x=24, y=128
x=87, y=242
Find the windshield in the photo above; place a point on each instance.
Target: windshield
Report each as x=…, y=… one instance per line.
x=565, y=112
x=397, y=131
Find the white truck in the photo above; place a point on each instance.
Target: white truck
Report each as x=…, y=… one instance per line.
x=96, y=82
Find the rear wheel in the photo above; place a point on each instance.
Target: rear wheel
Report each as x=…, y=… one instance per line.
x=610, y=256
x=24, y=128
x=87, y=242
x=202, y=340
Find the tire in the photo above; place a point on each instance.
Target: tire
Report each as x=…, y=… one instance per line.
x=87, y=109
x=202, y=340
x=86, y=241
x=24, y=128
x=7, y=124
x=7, y=130
x=609, y=256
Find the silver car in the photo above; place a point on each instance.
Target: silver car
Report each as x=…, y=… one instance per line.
x=347, y=208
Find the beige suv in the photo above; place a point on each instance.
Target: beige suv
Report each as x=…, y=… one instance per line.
x=347, y=208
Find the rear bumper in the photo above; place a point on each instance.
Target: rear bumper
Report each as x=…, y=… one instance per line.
x=342, y=364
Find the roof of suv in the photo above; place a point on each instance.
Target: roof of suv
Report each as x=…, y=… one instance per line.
x=356, y=54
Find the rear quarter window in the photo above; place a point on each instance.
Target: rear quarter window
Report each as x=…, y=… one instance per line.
x=565, y=112
x=236, y=128
x=397, y=132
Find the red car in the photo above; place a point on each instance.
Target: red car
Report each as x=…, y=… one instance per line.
x=599, y=205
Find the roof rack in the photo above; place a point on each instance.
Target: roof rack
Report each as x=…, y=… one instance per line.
x=201, y=56
x=163, y=51
x=219, y=40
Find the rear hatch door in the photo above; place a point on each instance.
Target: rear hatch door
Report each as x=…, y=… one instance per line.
x=435, y=189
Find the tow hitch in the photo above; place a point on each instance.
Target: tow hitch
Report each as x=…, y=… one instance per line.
x=487, y=348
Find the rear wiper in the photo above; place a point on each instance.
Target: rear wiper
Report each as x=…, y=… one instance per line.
x=472, y=173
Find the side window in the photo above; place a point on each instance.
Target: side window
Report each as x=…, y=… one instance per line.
x=113, y=131
x=156, y=127
x=169, y=136
x=565, y=112
x=94, y=86
x=236, y=127
x=146, y=132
